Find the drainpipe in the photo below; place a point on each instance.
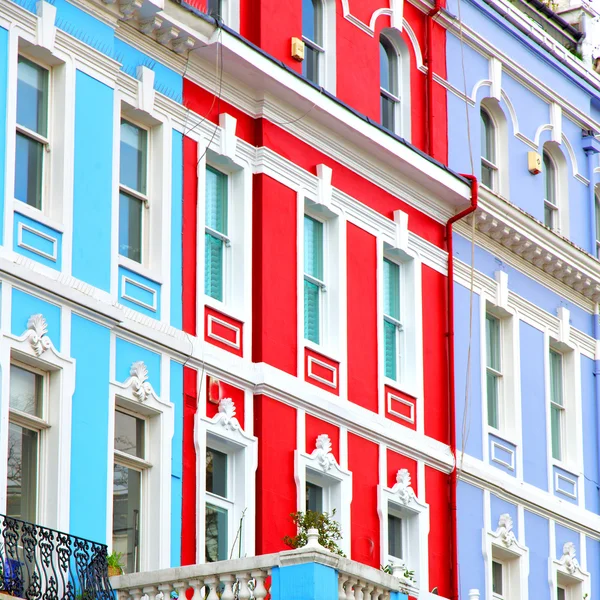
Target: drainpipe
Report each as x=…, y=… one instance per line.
x=597, y=375
x=452, y=399
x=591, y=147
x=430, y=16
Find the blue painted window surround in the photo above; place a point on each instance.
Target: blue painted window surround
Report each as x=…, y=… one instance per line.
x=32, y=131
x=314, y=284
x=133, y=189
x=388, y=83
x=493, y=368
x=557, y=408
x=312, y=35
x=215, y=237
x=218, y=505
x=392, y=325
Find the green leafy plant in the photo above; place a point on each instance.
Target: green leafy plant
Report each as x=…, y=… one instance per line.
x=330, y=531
x=115, y=563
x=407, y=577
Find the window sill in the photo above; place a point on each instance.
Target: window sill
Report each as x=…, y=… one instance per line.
x=569, y=467
x=138, y=268
x=319, y=349
x=35, y=214
x=409, y=390
x=224, y=308
x=502, y=435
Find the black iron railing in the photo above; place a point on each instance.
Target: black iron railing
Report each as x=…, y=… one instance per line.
x=38, y=563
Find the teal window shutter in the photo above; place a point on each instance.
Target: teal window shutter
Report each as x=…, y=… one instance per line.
x=313, y=278
x=392, y=326
x=215, y=232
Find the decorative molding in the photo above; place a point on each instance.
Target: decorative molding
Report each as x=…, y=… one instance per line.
x=402, y=488
x=36, y=333
x=569, y=558
x=323, y=454
x=138, y=381
x=504, y=531
x=226, y=415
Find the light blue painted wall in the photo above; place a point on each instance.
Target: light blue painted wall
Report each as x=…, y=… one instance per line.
x=309, y=581
x=176, y=231
x=591, y=441
x=520, y=284
x=533, y=406
x=127, y=353
x=176, y=462
x=24, y=305
x=470, y=527
x=593, y=560
x=3, y=99
x=473, y=445
x=537, y=538
x=92, y=189
x=562, y=536
x=37, y=241
x=90, y=347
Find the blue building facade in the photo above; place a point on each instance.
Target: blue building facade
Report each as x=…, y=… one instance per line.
x=522, y=116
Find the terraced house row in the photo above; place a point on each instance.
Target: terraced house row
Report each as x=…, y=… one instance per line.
x=261, y=258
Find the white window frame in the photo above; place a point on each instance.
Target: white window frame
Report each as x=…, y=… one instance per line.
x=509, y=388
x=35, y=349
x=505, y=567
x=230, y=13
x=327, y=51
x=502, y=545
x=560, y=223
x=136, y=395
x=571, y=451
x=567, y=573
x=223, y=432
x=401, y=500
x=410, y=379
x=237, y=264
x=321, y=468
x=491, y=165
x=331, y=322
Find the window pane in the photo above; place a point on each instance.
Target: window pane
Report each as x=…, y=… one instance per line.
x=134, y=142
x=394, y=536
x=556, y=377
x=310, y=64
x=216, y=200
x=313, y=247
x=487, y=137
x=22, y=473
x=29, y=161
x=213, y=266
x=391, y=349
x=497, y=587
x=550, y=179
x=26, y=391
x=487, y=176
x=492, y=331
x=215, y=8
x=391, y=289
x=492, y=399
x=130, y=227
x=549, y=213
x=560, y=593
x=32, y=96
x=127, y=484
x=129, y=434
x=388, y=112
x=311, y=311
x=311, y=21
x=314, y=497
x=216, y=533
x=384, y=66
x=216, y=472
x=556, y=431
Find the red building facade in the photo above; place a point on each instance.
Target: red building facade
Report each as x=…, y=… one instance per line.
x=319, y=291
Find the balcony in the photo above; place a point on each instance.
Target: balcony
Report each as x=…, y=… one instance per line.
x=37, y=562
x=309, y=573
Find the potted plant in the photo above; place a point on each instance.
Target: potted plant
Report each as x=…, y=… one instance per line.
x=115, y=563
x=329, y=530
x=403, y=573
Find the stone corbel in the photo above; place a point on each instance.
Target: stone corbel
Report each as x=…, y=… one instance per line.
x=45, y=26
x=324, y=174
x=145, y=91
x=228, y=126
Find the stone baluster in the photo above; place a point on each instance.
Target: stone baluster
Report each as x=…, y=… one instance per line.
x=341, y=586
x=136, y=593
x=123, y=595
x=243, y=589
x=358, y=590
x=165, y=589
x=212, y=583
x=180, y=588
x=260, y=591
x=368, y=590
x=197, y=585
x=150, y=592
x=350, y=583
x=227, y=581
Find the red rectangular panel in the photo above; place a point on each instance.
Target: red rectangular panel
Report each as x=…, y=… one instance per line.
x=321, y=371
x=400, y=407
x=223, y=331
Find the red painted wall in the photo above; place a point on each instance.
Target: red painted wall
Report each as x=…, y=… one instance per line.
x=274, y=308
x=440, y=549
x=395, y=462
x=363, y=461
x=217, y=390
x=189, y=234
x=276, y=498
x=315, y=427
x=362, y=317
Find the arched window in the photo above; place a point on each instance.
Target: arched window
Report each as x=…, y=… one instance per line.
x=394, y=83
x=489, y=164
x=551, y=214
x=312, y=34
x=388, y=83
